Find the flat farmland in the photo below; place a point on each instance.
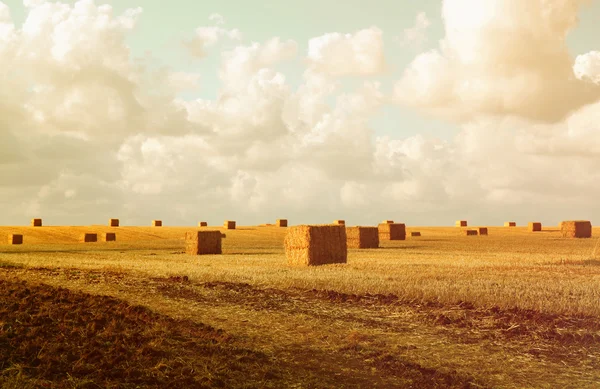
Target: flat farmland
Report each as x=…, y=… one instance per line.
x=512, y=309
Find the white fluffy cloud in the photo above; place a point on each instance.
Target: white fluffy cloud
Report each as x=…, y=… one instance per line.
x=87, y=132
x=338, y=54
x=501, y=57
x=416, y=35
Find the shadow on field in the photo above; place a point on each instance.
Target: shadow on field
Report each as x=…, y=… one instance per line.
x=400, y=248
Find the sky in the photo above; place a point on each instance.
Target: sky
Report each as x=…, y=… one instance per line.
x=420, y=112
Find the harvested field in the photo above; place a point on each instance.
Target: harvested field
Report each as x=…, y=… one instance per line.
x=512, y=310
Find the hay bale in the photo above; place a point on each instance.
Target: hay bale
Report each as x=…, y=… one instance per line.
x=534, y=226
x=89, y=237
x=202, y=224
x=510, y=224
x=387, y=222
x=576, y=229
x=203, y=242
x=15, y=239
x=156, y=223
x=482, y=230
x=113, y=222
x=229, y=225
x=36, y=222
x=415, y=233
x=392, y=231
x=471, y=232
x=281, y=223
x=461, y=223
x=362, y=237
x=109, y=237
x=339, y=222
x=310, y=245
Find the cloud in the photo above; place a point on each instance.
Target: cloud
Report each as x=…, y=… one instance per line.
x=587, y=67
x=505, y=57
x=338, y=54
x=207, y=36
x=416, y=35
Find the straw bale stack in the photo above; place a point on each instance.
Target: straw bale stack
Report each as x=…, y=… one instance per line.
x=36, y=222
x=203, y=242
x=534, y=226
x=461, y=223
x=482, y=230
x=312, y=245
x=229, y=224
x=109, y=236
x=576, y=229
x=362, y=237
x=339, y=222
x=392, y=231
x=510, y=224
x=113, y=222
x=156, y=223
x=471, y=232
x=202, y=224
x=15, y=239
x=281, y=223
x=89, y=237
x=387, y=222
x=415, y=233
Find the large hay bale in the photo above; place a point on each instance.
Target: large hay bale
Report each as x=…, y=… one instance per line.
x=470, y=232
x=576, y=229
x=156, y=223
x=415, y=233
x=229, y=224
x=534, y=226
x=392, y=231
x=203, y=242
x=281, y=223
x=89, y=237
x=113, y=222
x=339, y=222
x=15, y=239
x=510, y=224
x=202, y=224
x=387, y=222
x=362, y=237
x=316, y=245
x=461, y=223
x=109, y=237
x=482, y=230
x=36, y=222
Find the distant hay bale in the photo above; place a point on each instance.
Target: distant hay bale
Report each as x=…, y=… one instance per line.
x=387, y=222
x=203, y=242
x=89, y=237
x=461, y=223
x=482, y=230
x=471, y=232
x=415, y=233
x=510, y=224
x=36, y=222
x=534, y=226
x=362, y=237
x=576, y=229
x=109, y=236
x=156, y=223
x=15, y=239
x=229, y=224
x=339, y=222
x=202, y=224
x=113, y=222
x=392, y=231
x=281, y=223
x=312, y=245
